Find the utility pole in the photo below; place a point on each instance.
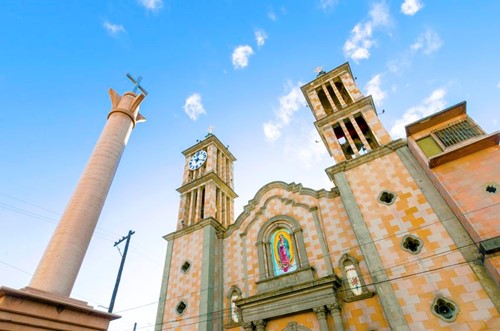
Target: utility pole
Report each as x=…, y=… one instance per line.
x=117, y=283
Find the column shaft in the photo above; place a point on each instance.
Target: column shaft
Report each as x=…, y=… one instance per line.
x=64, y=255
x=60, y=264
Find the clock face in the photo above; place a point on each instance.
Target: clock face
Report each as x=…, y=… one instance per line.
x=197, y=160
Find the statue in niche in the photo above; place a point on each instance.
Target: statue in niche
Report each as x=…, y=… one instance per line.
x=235, y=312
x=353, y=279
x=283, y=252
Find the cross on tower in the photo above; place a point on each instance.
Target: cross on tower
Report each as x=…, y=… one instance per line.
x=137, y=84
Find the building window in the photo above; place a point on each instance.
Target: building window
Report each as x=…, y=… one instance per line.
x=325, y=103
x=491, y=188
x=457, y=132
x=412, y=244
x=429, y=146
x=185, y=267
x=439, y=140
x=181, y=307
x=445, y=309
x=386, y=197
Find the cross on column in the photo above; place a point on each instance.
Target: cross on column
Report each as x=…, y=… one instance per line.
x=137, y=84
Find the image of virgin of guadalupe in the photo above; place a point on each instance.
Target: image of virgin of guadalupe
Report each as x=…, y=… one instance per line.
x=284, y=253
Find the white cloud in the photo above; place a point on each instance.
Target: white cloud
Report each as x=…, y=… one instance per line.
x=240, y=56
x=400, y=63
x=310, y=150
x=288, y=105
x=428, y=42
x=113, y=29
x=260, y=37
x=498, y=85
x=271, y=131
x=435, y=102
x=272, y=16
x=411, y=7
x=327, y=4
x=373, y=88
x=193, y=106
x=379, y=14
x=153, y=5
x=357, y=47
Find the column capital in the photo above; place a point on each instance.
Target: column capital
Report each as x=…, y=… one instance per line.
x=248, y=326
x=320, y=312
x=127, y=104
x=260, y=325
x=335, y=307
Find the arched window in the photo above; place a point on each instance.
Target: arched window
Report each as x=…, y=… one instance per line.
x=354, y=284
x=234, y=317
x=282, y=251
x=281, y=247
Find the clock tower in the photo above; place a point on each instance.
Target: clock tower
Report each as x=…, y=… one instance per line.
x=191, y=292
x=207, y=185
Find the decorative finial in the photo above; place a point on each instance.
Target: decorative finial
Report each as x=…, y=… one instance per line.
x=137, y=84
x=319, y=71
x=210, y=130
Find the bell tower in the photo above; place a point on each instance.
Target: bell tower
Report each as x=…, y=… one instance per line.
x=191, y=292
x=207, y=185
x=345, y=119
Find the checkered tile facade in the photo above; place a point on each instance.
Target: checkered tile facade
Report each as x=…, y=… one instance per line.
x=439, y=269
x=335, y=229
x=184, y=286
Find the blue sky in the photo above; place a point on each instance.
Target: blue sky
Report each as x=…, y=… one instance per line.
x=233, y=65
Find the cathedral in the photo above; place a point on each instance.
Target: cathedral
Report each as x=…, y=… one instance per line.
x=408, y=238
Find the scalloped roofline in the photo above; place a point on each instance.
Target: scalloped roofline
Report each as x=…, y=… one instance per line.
x=291, y=187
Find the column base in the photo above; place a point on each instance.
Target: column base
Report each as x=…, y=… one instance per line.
x=29, y=309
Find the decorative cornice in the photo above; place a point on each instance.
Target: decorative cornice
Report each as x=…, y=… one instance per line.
x=333, y=279
x=354, y=107
x=206, y=178
x=210, y=138
x=209, y=221
x=372, y=155
x=327, y=76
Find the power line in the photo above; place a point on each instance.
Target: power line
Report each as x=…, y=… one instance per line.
x=340, y=290
x=223, y=311
x=370, y=272
x=99, y=233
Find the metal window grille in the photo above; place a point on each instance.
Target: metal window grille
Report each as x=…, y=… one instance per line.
x=457, y=132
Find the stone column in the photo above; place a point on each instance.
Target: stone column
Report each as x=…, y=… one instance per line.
x=337, y=317
x=64, y=255
x=321, y=315
x=260, y=325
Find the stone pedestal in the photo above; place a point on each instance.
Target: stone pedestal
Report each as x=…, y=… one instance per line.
x=30, y=309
